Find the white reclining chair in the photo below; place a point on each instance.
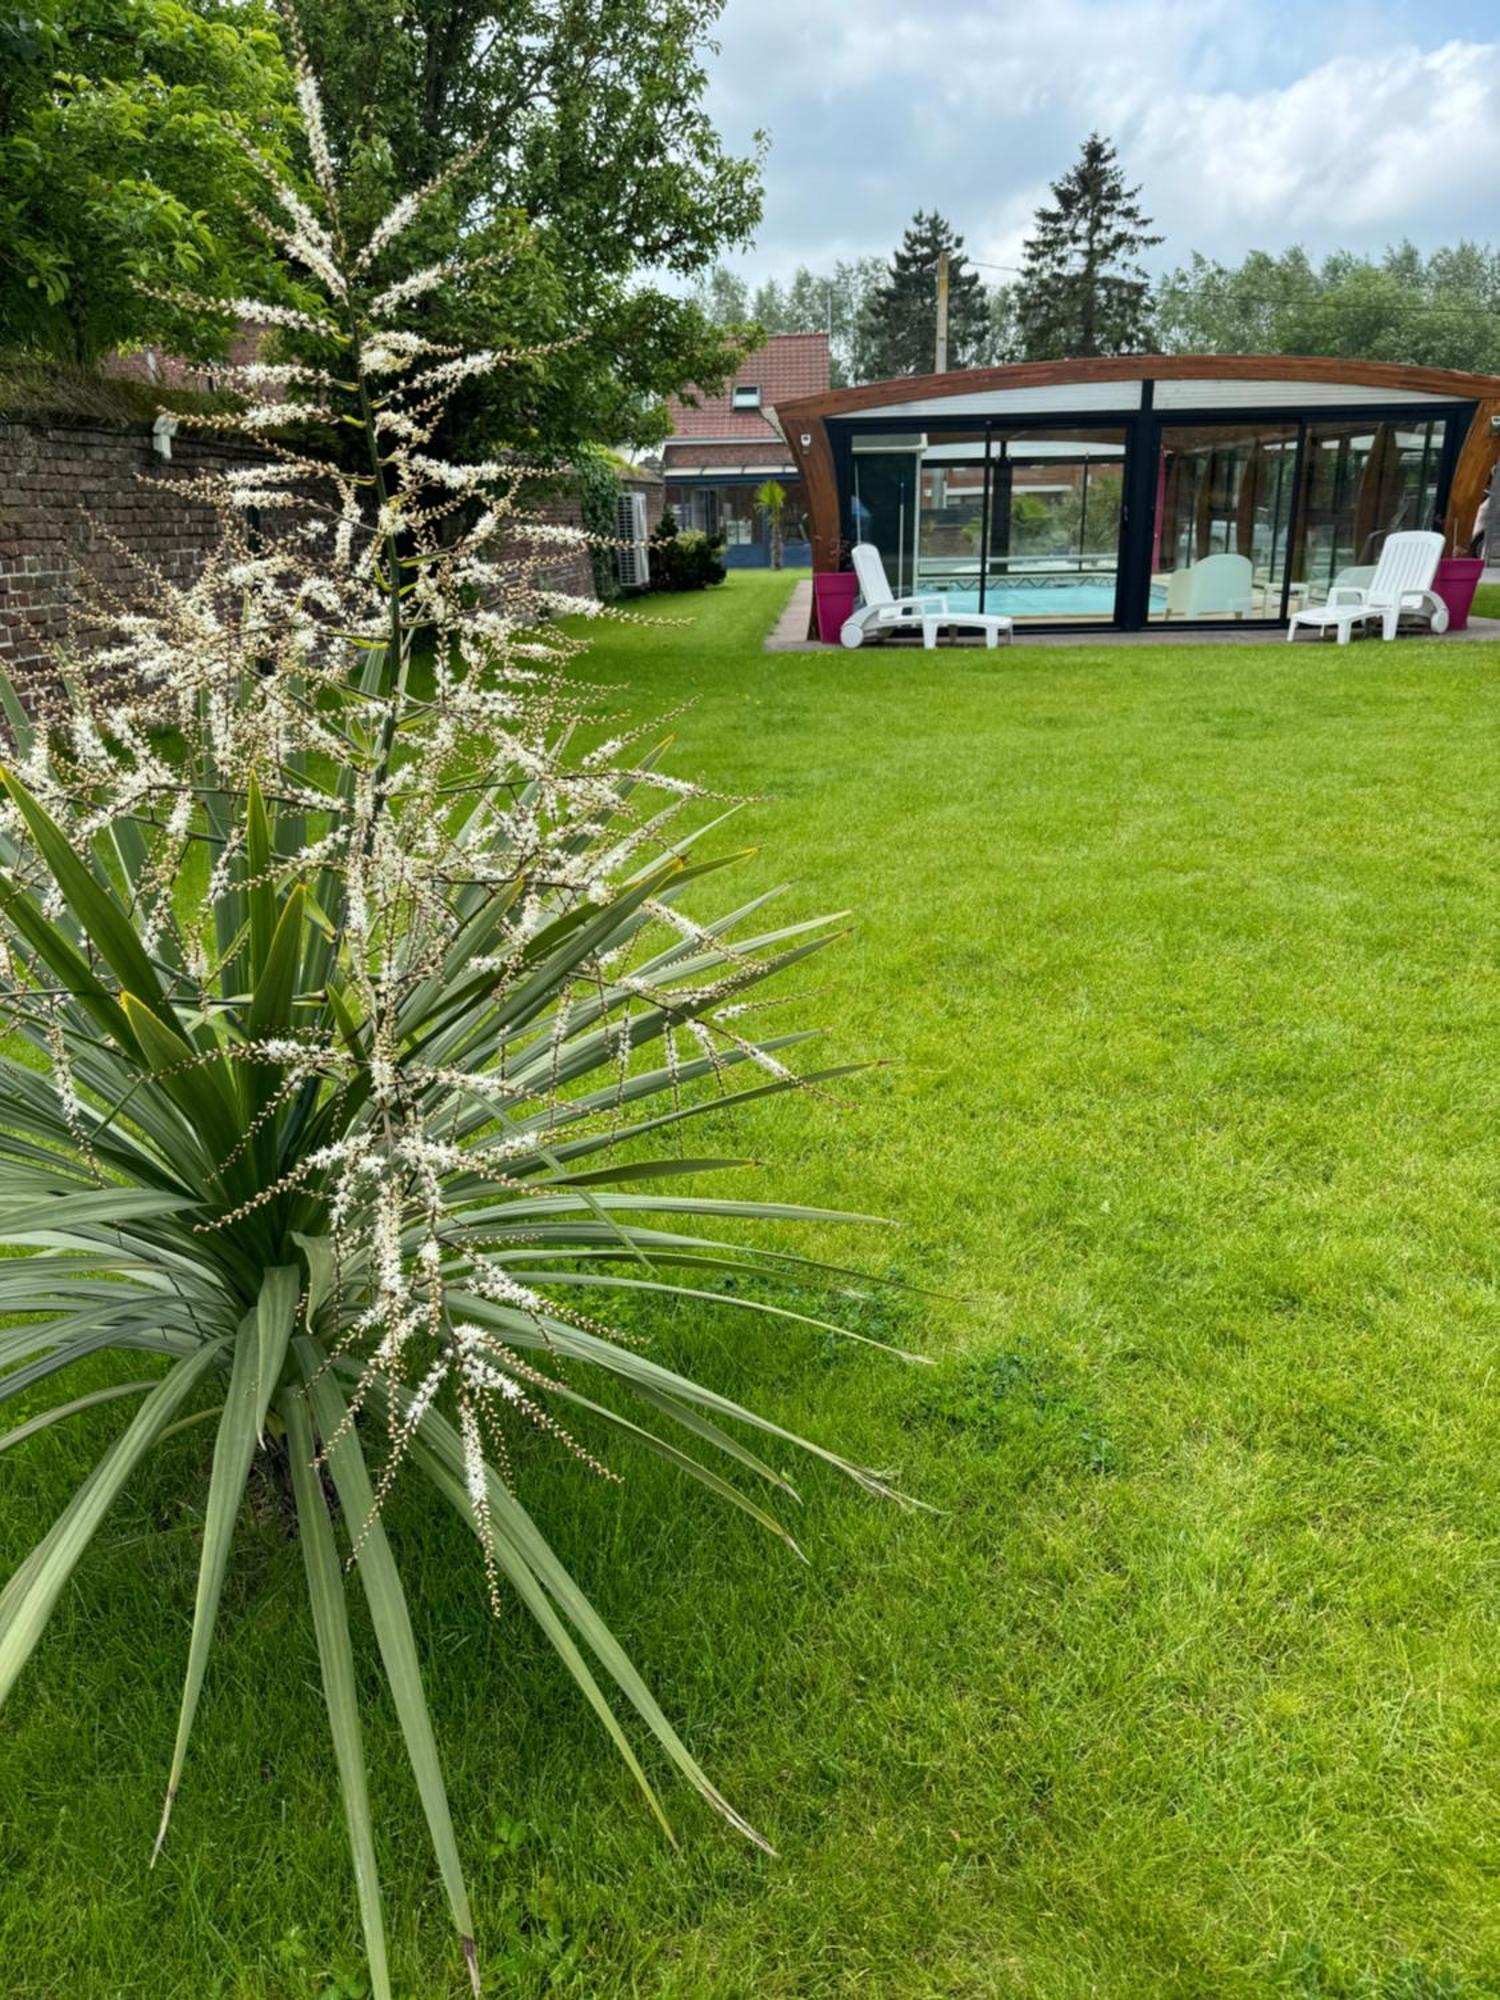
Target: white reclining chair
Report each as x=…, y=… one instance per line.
x=1401, y=582
x=880, y=611
x=1221, y=586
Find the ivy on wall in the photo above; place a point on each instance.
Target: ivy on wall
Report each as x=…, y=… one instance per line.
x=598, y=500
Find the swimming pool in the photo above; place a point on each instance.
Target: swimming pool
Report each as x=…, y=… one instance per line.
x=1046, y=598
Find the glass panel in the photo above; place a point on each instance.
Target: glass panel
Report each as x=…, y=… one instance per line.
x=883, y=507
x=794, y=529
x=1055, y=511
x=1361, y=481
x=950, y=515
x=1041, y=543
x=1223, y=509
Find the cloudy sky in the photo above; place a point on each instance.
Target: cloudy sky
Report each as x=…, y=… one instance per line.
x=1251, y=123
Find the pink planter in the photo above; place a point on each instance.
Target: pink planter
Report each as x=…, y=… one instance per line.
x=834, y=592
x=1456, y=581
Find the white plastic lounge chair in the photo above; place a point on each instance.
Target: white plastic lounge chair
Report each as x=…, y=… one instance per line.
x=1213, y=587
x=879, y=611
x=1402, y=582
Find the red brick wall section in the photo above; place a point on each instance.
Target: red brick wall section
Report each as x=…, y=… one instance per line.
x=568, y=569
x=70, y=491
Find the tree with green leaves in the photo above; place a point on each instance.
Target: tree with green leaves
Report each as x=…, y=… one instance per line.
x=723, y=297
x=811, y=301
x=898, y=325
x=596, y=173
x=121, y=167
x=1441, y=311
x=834, y=303
x=1083, y=289
x=768, y=308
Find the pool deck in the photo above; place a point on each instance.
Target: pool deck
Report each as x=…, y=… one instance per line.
x=790, y=634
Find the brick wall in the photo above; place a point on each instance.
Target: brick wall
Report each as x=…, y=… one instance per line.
x=569, y=570
x=70, y=492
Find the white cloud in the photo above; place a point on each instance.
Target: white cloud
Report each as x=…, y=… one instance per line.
x=1366, y=146
x=1251, y=123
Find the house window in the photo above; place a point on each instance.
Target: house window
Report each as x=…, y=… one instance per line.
x=747, y=396
x=737, y=522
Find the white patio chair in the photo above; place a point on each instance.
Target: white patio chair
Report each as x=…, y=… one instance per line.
x=1401, y=583
x=1212, y=587
x=880, y=610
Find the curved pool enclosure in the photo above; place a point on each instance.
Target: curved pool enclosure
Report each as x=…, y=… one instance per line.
x=1138, y=490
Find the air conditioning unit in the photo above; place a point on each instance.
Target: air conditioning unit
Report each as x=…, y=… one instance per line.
x=632, y=552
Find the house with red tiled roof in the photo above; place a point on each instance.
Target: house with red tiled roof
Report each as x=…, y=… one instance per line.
x=724, y=446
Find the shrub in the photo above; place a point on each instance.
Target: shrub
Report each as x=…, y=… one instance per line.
x=688, y=560
x=358, y=1032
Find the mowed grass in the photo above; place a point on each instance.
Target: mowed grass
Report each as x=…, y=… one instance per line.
x=1182, y=962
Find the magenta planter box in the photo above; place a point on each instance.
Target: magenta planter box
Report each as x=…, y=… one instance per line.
x=1456, y=581
x=834, y=592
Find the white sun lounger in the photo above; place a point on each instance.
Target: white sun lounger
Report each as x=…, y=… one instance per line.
x=1401, y=582
x=879, y=611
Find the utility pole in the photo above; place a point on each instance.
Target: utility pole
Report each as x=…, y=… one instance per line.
x=942, y=313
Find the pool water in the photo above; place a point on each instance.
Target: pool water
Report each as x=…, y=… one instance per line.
x=1062, y=599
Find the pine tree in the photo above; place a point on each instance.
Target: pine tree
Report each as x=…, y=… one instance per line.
x=898, y=327
x=1082, y=289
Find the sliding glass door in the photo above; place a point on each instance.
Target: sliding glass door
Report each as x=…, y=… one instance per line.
x=1022, y=522
x=1223, y=520
x=1361, y=482
x=951, y=513
x=883, y=503
x=1254, y=518
x=1056, y=510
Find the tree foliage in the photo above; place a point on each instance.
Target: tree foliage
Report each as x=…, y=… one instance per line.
x=830, y=302
x=1442, y=310
x=723, y=296
x=1083, y=290
x=119, y=164
x=597, y=163
x=898, y=323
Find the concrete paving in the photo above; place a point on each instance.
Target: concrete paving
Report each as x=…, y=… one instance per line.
x=790, y=633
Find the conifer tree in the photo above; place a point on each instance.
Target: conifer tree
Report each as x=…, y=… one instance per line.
x=898, y=328
x=1083, y=290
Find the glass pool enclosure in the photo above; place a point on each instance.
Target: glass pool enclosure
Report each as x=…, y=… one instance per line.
x=1165, y=511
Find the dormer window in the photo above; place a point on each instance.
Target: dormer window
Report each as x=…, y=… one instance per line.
x=746, y=396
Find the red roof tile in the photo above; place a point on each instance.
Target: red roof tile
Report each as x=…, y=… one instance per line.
x=789, y=365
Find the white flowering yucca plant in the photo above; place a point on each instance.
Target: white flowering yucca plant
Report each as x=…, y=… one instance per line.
x=353, y=1021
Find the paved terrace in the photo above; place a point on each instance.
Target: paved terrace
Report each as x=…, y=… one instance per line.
x=790, y=634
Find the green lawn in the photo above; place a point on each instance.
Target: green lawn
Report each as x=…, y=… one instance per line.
x=1183, y=962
